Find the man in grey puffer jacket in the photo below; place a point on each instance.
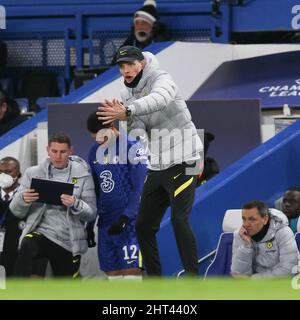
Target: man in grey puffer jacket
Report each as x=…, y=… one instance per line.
x=264, y=245
x=55, y=231
x=154, y=108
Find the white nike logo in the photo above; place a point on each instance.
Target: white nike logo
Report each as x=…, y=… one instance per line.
x=178, y=175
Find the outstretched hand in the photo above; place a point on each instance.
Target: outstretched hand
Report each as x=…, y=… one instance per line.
x=109, y=111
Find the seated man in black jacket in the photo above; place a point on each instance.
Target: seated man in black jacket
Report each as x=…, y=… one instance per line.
x=10, y=226
x=9, y=114
x=3, y=56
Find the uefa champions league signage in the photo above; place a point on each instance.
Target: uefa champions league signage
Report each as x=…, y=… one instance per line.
x=282, y=90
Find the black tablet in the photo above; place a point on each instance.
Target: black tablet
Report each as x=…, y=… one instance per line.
x=50, y=191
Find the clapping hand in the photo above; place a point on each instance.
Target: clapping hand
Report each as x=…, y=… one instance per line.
x=109, y=111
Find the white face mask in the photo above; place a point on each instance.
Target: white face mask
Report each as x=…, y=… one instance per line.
x=105, y=137
x=6, y=180
x=142, y=36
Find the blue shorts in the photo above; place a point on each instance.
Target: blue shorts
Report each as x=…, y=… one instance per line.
x=118, y=252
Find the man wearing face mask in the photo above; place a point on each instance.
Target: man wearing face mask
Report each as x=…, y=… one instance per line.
x=11, y=227
x=119, y=174
x=146, y=28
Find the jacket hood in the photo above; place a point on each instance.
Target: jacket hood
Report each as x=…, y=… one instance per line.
x=152, y=64
x=278, y=220
x=80, y=168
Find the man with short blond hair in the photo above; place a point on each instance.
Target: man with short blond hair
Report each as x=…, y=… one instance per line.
x=56, y=232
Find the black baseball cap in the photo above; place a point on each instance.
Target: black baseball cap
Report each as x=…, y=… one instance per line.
x=129, y=53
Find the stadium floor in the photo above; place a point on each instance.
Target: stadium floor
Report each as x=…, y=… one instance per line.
x=151, y=289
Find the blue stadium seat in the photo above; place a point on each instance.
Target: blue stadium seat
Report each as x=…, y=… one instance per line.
x=6, y=85
x=221, y=264
x=72, y=86
x=44, y=101
x=23, y=104
x=61, y=84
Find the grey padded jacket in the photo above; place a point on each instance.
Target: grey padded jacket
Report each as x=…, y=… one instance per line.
x=156, y=103
x=275, y=255
x=84, y=192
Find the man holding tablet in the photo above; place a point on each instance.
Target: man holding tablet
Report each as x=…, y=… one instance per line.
x=55, y=231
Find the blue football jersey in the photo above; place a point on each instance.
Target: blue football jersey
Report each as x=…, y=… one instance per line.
x=119, y=173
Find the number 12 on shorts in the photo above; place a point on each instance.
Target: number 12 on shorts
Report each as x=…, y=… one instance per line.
x=130, y=252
